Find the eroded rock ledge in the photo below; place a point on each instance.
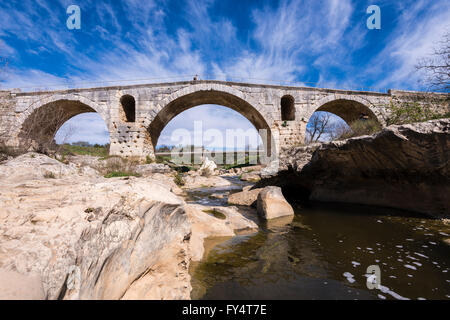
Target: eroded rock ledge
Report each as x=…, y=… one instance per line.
x=404, y=167
x=67, y=232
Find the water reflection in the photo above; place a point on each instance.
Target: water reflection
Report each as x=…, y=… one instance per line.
x=324, y=252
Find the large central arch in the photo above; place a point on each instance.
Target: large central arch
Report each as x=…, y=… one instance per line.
x=176, y=104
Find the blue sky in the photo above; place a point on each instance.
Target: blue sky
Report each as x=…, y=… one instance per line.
x=318, y=43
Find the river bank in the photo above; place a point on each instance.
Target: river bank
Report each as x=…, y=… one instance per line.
x=323, y=252
x=405, y=167
x=67, y=229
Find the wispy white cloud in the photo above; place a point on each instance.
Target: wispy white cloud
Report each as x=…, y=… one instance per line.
x=217, y=118
x=289, y=36
x=88, y=127
x=292, y=40
x=420, y=27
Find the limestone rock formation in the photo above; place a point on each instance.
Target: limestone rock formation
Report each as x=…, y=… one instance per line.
x=244, y=198
x=271, y=204
x=208, y=167
x=404, y=167
x=205, y=226
x=16, y=286
x=250, y=176
x=79, y=235
x=38, y=166
x=196, y=181
x=148, y=169
x=87, y=237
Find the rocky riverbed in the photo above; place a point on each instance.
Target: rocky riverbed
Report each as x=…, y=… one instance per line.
x=69, y=233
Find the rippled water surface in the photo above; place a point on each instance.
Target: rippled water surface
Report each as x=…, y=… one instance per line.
x=324, y=252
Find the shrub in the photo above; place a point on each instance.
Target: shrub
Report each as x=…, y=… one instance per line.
x=359, y=128
x=410, y=112
x=49, y=175
x=11, y=151
x=119, y=167
x=178, y=179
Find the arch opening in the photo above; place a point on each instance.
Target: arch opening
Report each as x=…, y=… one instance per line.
x=287, y=108
x=210, y=127
x=53, y=123
x=340, y=119
x=211, y=97
x=128, y=107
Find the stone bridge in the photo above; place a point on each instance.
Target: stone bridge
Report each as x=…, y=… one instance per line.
x=136, y=114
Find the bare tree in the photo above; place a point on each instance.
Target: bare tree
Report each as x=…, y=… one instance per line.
x=340, y=131
x=437, y=66
x=66, y=133
x=38, y=131
x=318, y=127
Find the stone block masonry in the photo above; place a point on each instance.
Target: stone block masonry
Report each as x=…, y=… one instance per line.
x=135, y=123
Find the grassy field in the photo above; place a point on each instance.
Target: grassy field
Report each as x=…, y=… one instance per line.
x=96, y=150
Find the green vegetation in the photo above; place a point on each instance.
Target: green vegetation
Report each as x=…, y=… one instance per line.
x=117, y=174
x=410, y=112
x=358, y=128
x=10, y=151
x=215, y=214
x=243, y=162
x=148, y=160
x=162, y=159
x=119, y=167
x=80, y=148
x=178, y=179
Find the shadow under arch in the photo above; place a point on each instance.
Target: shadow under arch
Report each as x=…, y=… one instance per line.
x=201, y=97
x=39, y=128
x=348, y=110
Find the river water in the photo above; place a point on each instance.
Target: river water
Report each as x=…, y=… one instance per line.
x=323, y=253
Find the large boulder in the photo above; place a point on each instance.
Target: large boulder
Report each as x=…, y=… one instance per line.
x=250, y=176
x=206, y=225
x=271, y=204
x=208, y=167
x=256, y=168
x=196, y=181
x=244, y=198
x=79, y=238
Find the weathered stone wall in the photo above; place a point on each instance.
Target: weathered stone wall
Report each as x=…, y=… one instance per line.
x=261, y=104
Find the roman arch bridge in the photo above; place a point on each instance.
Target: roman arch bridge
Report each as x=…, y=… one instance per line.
x=136, y=114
